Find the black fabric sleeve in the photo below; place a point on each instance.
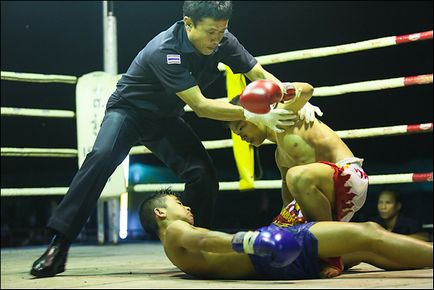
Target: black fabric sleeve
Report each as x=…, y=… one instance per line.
x=175, y=77
x=238, y=58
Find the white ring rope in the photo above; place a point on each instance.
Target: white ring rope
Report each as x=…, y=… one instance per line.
x=37, y=78
x=209, y=145
x=47, y=113
x=227, y=143
x=275, y=184
x=373, y=85
x=225, y=185
x=39, y=152
x=34, y=191
x=340, y=49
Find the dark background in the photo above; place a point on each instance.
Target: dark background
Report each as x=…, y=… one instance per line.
x=65, y=38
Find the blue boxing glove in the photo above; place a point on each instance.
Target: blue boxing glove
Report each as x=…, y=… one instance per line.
x=279, y=245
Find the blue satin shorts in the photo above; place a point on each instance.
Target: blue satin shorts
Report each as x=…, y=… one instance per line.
x=305, y=266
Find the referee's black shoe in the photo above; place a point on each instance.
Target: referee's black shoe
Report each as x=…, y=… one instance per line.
x=53, y=261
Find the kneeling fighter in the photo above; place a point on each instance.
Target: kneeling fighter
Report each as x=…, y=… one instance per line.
x=321, y=178
x=274, y=252
x=318, y=169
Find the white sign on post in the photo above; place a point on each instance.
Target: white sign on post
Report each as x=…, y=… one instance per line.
x=92, y=92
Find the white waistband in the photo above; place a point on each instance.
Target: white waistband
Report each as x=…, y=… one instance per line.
x=350, y=160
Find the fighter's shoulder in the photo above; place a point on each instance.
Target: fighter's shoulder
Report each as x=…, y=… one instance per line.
x=179, y=234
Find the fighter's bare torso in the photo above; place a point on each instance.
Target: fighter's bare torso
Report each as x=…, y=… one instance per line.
x=304, y=144
x=204, y=264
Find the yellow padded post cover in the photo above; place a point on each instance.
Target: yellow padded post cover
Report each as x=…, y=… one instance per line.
x=243, y=151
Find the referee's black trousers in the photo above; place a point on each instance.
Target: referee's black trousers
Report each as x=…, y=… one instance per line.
x=172, y=140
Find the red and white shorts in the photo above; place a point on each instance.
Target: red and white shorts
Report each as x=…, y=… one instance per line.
x=351, y=187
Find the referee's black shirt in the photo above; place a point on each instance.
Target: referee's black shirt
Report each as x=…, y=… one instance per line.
x=169, y=64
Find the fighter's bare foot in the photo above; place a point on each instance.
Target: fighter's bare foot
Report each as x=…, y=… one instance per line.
x=329, y=272
x=332, y=267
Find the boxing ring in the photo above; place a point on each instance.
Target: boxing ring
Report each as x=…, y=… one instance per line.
x=158, y=269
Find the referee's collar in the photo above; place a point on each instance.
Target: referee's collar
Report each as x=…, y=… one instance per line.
x=186, y=45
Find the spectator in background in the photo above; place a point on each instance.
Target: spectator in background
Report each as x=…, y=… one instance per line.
x=391, y=218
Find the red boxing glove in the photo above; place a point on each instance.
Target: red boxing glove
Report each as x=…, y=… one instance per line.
x=259, y=95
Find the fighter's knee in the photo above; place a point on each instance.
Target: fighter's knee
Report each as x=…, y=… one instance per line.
x=371, y=226
x=373, y=233
x=298, y=178
x=292, y=175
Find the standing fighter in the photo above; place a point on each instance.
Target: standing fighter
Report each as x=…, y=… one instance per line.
x=171, y=71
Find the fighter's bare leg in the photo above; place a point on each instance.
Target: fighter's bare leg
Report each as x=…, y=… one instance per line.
x=353, y=259
x=370, y=243
x=312, y=187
